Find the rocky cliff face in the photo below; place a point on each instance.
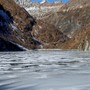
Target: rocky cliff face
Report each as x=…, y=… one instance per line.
x=16, y=24
x=48, y=35
x=73, y=17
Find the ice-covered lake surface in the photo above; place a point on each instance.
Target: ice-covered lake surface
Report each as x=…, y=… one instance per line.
x=45, y=70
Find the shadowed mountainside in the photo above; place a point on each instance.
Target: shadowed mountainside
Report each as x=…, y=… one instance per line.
x=16, y=24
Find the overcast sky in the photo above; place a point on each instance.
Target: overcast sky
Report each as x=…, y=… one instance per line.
x=49, y=0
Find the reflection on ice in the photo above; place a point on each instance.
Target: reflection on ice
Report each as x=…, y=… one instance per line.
x=45, y=70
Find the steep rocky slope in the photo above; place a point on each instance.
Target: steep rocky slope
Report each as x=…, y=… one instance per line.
x=81, y=40
x=71, y=18
x=48, y=35
x=16, y=24
x=17, y=28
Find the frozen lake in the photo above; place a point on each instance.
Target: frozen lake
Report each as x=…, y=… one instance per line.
x=45, y=70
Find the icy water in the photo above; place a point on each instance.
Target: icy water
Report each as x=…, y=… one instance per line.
x=45, y=70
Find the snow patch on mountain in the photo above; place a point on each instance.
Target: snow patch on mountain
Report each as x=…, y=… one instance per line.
x=43, y=1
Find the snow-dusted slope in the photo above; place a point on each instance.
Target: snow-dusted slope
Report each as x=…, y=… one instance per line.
x=43, y=1
x=39, y=9
x=23, y=2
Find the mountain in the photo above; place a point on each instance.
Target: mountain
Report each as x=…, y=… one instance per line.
x=48, y=35
x=37, y=9
x=43, y=1
x=23, y=2
x=72, y=19
x=18, y=27
x=15, y=26
x=65, y=28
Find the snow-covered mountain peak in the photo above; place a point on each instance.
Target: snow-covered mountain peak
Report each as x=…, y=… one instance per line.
x=43, y=1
